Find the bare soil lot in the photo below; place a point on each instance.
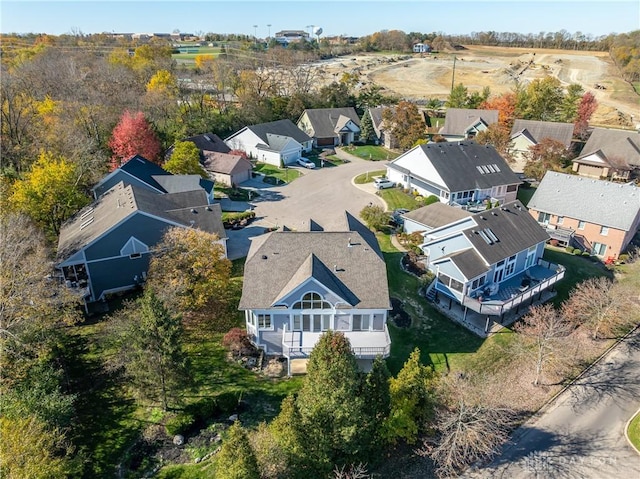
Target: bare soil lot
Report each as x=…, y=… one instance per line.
x=422, y=76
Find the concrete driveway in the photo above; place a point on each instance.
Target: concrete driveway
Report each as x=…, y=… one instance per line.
x=323, y=194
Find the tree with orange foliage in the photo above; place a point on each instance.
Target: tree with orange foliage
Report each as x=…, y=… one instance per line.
x=586, y=107
x=506, y=106
x=132, y=136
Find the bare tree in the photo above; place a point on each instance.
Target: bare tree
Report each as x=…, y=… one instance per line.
x=601, y=305
x=353, y=471
x=466, y=434
x=542, y=333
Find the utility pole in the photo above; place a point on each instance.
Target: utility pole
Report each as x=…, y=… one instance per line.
x=255, y=35
x=269, y=27
x=453, y=75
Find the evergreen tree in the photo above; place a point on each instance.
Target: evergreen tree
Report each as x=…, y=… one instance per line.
x=236, y=459
x=332, y=408
x=376, y=390
x=148, y=338
x=367, y=133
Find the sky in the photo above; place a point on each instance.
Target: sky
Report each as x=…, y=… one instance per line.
x=336, y=17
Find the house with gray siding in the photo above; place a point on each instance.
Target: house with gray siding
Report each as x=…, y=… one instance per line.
x=106, y=247
x=490, y=262
x=463, y=174
x=466, y=123
x=330, y=126
x=299, y=284
x=142, y=173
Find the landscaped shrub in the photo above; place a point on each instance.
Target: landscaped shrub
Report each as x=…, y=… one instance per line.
x=228, y=402
x=577, y=251
x=237, y=341
x=623, y=258
x=203, y=410
x=569, y=249
x=230, y=219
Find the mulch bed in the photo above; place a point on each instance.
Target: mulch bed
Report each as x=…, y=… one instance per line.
x=399, y=315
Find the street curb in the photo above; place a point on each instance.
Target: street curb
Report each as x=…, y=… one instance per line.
x=548, y=403
x=386, y=206
x=626, y=429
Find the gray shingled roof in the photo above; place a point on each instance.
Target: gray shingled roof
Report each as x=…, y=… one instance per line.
x=621, y=148
x=457, y=164
x=514, y=227
x=280, y=261
x=458, y=120
x=225, y=163
x=599, y=202
x=538, y=130
x=178, y=183
x=279, y=127
x=209, y=142
x=123, y=201
x=436, y=215
x=376, y=118
x=324, y=121
x=468, y=262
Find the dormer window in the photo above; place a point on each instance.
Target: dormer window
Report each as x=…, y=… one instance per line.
x=312, y=301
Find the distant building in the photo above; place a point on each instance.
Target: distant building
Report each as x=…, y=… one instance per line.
x=421, y=48
x=287, y=36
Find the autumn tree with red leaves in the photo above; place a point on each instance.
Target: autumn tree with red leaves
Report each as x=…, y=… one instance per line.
x=506, y=106
x=133, y=135
x=586, y=108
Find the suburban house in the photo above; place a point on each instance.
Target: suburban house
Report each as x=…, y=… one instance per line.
x=465, y=123
x=528, y=133
x=208, y=142
x=490, y=262
x=421, y=48
x=383, y=136
x=610, y=154
x=277, y=143
x=105, y=248
x=431, y=217
x=597, y=216
x=463, y=174
x=298, y=284
x=142, y=173
x=330, y=126
x=230, y=170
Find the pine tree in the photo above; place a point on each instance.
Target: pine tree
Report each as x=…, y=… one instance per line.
x=367, y=133
x=236, y=459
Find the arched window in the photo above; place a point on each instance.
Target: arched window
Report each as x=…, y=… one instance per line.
x=312, y=301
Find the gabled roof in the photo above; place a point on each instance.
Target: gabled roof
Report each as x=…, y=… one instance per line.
x=209, y=142
x=187, y=208
x=225, y=163
x=619, y=148
x=538, y=130
x=178, y=183
x=468, y=261
x=140, y=168
x=463, y=165
x=325, y=122
x=280, y=127
x=376, y=118
x=436, y=215
x=458, y=120
x=511, y=229
x=598, y=202
x=343, y=261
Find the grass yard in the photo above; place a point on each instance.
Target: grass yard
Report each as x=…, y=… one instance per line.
x=579, y=268
x=235, y=194
x=275, y=175
x=368, y=177
x=371, y=152
x=525, y=194
x=397, y=198
x=190, y=57
x=634, y=431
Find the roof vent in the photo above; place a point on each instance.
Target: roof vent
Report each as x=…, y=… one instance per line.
x=350, y=244
x=208, y=208
x=264, y=256
x=335, y=268
x=482, y=217
x=193, y=210
x=494, y=213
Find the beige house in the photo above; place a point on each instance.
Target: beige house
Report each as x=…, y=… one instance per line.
x=596, y=216
x=227, y=169
x=528, y=133
x=610, y=154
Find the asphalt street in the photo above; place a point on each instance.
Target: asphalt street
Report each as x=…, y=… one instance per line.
x=581, y=433
x=322, y=194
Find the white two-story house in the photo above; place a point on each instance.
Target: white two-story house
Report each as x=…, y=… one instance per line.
x=463, y=174
x=299, y=284
x=490, y=262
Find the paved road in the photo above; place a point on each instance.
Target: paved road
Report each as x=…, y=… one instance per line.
x=581, y=434
x=323, y=194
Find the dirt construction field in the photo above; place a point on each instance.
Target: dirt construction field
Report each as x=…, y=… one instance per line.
x=422, y=76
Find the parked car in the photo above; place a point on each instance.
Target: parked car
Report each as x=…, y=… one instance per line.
x=397, y=215
x=381, y=183
x=306, y=163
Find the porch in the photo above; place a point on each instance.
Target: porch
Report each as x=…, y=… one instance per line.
x=490, y=310
x=473, y=206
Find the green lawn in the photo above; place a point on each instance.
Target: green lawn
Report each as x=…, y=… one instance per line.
x=236, y=194
x=368, y=177
x=634, y=431
x=397, y=198
x=525, y=194
x=212, y=51
x=371, y=152
x=579, y=268
x=636, y=87
x=275, y=175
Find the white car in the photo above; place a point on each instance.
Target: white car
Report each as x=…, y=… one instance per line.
x=381, y=183
x=306, y=163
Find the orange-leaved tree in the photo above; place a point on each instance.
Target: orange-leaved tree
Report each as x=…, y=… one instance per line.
x=133, y=135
